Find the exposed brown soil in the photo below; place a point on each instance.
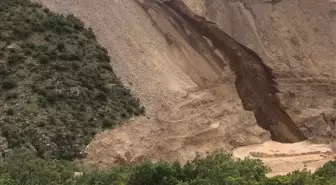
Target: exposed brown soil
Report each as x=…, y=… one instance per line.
x=194, y=104
x=254, y=80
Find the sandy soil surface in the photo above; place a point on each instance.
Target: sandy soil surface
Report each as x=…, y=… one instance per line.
x=193, y=107
x=284, y=158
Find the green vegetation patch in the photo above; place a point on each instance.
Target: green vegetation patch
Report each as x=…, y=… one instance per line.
x=216, y=169
x=57, y=88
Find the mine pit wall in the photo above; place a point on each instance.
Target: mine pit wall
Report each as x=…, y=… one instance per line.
x=254, y=80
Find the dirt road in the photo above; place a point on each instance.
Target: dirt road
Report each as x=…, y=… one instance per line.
x=285, y=158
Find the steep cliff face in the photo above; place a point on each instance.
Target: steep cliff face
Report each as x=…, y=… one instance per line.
x=219, y=84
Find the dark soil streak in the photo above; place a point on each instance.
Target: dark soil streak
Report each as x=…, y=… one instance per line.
x=255, y=82
x=194, y=39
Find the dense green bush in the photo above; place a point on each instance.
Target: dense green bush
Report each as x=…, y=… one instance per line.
x=57, y=81
x=26, y=169
x=15, y=58
x=43, y=59
x=216, y=169
x=8, y=84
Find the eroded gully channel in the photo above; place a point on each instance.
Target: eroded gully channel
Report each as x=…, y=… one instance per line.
x=254, y=81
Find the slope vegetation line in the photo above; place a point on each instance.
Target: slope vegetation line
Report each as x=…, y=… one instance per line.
x=254, y=82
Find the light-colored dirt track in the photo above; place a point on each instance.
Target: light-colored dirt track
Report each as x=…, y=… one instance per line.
x=194, y=109
x=284, y=158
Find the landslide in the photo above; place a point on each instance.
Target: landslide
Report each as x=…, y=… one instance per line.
x=187, y=82
x=254, y=80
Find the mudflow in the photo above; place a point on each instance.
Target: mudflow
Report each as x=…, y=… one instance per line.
x=217, y=74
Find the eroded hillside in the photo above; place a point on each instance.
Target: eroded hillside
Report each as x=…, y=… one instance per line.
x=187, y=81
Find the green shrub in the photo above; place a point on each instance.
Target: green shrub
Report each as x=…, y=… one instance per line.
x=37, y=27
x=89, y=33
x=30, y=45
x=101, y=96
x=60, y=46
x=22, y=32
x=15, y=58
x=43, y=59
x=27, y=51
x=9, y=84
x=11, y=95
x=2, y=54
x=42, y=102
x=46, y=10
x=78, y=24
x=108, y=123
x=10, y=112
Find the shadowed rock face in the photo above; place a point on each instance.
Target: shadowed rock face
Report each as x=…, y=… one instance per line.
x=254, y=80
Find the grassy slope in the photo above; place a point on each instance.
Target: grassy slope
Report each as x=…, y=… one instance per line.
x=57, y=89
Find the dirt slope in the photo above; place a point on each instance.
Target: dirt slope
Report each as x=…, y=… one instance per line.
x=193, y=105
